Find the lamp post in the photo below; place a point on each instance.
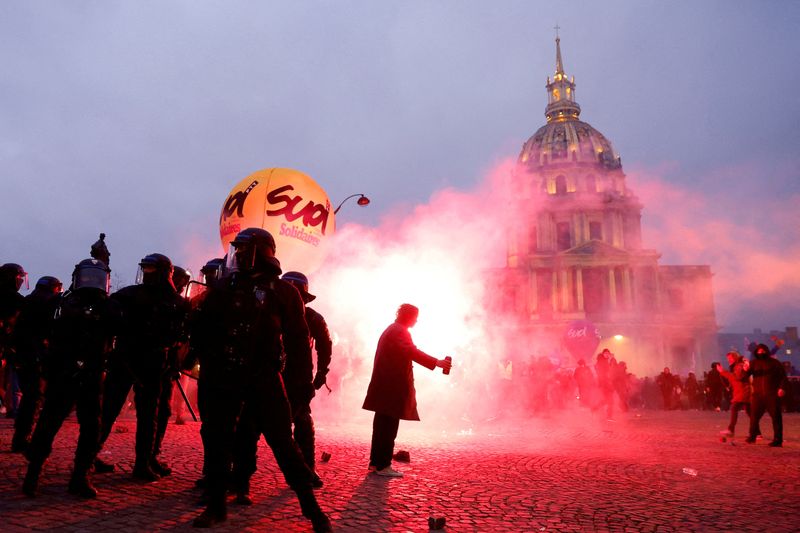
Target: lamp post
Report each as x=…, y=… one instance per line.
x=363, y=200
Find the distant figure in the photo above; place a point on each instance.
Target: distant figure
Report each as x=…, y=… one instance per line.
x=391, y=393
x=768, y=388
x=714, y=388
x=100, y=251
x=666, y=383
x=739, y=380
x=605, y=383
x=585, y=381
x=692, y=389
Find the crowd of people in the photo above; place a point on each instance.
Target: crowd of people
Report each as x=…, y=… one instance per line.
x=249, y=331
x=606, y=386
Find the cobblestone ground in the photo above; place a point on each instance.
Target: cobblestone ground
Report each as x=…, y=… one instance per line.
x=647, y=471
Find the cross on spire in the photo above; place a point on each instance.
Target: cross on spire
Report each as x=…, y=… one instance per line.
x=556, y=27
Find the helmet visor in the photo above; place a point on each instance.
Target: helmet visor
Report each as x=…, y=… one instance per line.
x=92, y=278
x=241, y=258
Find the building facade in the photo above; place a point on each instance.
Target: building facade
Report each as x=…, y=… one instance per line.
x=575, y=253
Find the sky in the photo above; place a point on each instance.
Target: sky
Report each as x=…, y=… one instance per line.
x=137, y=118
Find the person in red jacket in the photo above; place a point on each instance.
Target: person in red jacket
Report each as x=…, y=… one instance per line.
x=740, y=384
x=391, y=393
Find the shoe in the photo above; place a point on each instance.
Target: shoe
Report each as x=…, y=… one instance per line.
x=159, y=467
x=726, y=433
x=321, y=523
x=717, y=409
x=243, y=498
x=31, y=482
x=81, y=486
x=759, y=437
x=775, y=444
x=750, y=440
x=102, y=467
x=389, y=472
x=208, y=518
x=311, y=510
x=145, y=473
x=316, y=481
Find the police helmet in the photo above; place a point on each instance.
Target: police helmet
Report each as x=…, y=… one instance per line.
x=13, y=275
x=299, y=280
x=181, y=278
x=253, y=250
x=212, y=270
x=154, y=269
x=91, y=274
x=48, y=284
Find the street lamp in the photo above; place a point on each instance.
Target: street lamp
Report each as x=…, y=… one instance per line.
x=363, y=200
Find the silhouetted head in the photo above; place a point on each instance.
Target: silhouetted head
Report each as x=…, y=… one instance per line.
x=407, y=315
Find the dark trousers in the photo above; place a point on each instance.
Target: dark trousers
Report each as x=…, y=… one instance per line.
x=31, y=385
x=83, y=393
x=234, y=419
x=300, y=397
x=735, y=407
x=146, y=389
x=164, y=412
x=384, y=432
x=770, y=403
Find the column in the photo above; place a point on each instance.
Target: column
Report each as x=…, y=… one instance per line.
x=554, y=291
x=626, y=287
x=579, y=287
x=612, y=288
x=565, y=299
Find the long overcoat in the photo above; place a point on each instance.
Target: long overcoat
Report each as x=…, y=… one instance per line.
x=391, y=389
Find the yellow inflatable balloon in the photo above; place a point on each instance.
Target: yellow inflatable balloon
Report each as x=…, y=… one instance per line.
x=288, y=204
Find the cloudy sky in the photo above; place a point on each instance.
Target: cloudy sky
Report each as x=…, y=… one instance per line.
x=137, y=118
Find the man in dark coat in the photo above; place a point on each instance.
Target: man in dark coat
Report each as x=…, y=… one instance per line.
x=768, y=388
x=391, y=393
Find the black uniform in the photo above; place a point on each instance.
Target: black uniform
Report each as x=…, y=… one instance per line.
x=32, y=333
x=769, y=376
x=241, y=330
x=153, y=320
x=82, y=337
x=297, y=378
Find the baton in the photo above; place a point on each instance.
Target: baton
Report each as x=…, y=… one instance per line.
x=185, y=399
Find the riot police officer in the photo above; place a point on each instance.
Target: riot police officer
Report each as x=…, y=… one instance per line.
x=300, y=390
x=153, y=317
x=12, y=277
x=81, y=338
x=32, y=341
x=245, y=322
x=180, y=279
x=297, y=374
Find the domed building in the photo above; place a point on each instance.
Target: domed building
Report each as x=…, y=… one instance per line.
x=575, y=253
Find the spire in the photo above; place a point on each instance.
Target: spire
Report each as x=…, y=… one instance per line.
x=559, y=64
x=561, y=104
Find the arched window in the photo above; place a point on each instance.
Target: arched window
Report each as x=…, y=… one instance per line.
x=556, y=95
x=561, y=185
